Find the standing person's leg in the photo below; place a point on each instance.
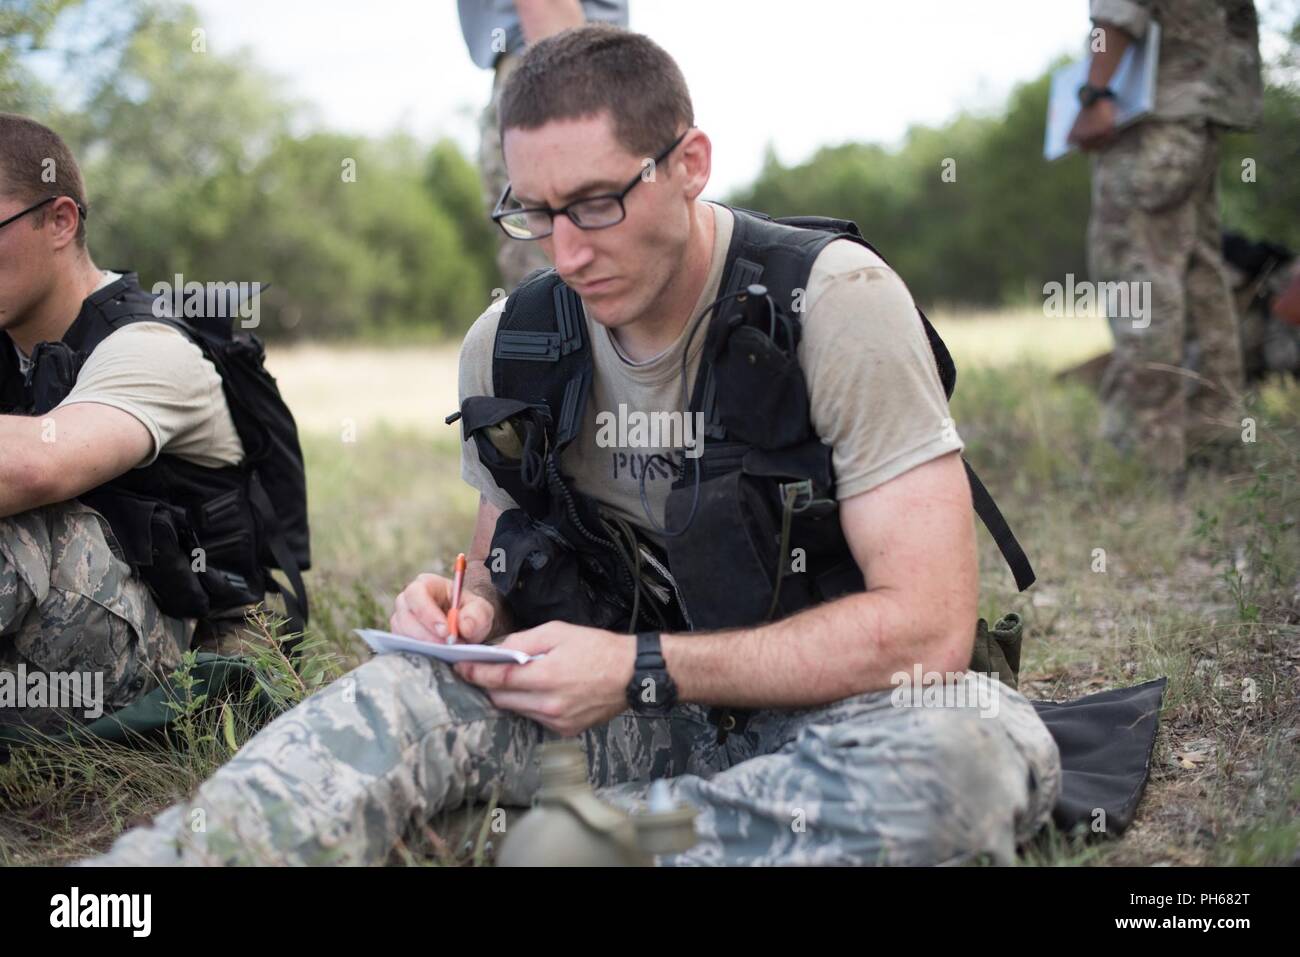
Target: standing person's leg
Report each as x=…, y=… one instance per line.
x=1214, y=409
x=515, y=259
x=866, y=781
x=1140, y=235
x=70, y=605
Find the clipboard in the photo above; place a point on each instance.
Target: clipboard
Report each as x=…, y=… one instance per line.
x=1134, y=84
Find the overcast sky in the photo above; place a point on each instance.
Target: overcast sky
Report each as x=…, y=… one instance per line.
x=871, y=67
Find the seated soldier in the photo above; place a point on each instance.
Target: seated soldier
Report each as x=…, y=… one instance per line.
x=782, y=730
x=97, y=408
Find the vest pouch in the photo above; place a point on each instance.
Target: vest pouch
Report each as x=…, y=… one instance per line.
x=156, y=542
x=762, y=398
x=542, y=578
x=170, y=576
x=725, y=562
x=54, y=373
x=997, y=651
x=828, y=569
x=225, y=587
x=227, y=559
x=504, y=430
x=510, y=437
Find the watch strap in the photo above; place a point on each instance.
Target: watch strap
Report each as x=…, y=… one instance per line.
x=650, y=664
x=649, y=652
x=1089, y=94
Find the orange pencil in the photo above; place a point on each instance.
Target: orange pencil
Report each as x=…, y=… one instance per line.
x=453, y=631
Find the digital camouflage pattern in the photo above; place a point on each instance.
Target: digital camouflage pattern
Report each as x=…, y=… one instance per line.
x=1175, y=378
x=341, y=777
x=1209, y=56
x=515, y=258
x=68, y=603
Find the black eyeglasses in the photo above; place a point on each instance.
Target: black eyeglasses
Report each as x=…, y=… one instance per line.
x=593, y=212
x=31, y=209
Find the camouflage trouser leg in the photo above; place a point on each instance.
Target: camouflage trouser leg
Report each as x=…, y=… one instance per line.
x=1214, y=407
x=515, y=258
x=341, y=777
x=1154, y=223
x=72, y=613
x=860, y=781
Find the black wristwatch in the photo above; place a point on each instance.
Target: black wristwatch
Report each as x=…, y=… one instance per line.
x=651, y=690
x=1089, y=94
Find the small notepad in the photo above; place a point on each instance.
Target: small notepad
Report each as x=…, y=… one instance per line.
x=385, y=642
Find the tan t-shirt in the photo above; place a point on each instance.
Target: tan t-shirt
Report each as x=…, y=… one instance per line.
x=874, y=391
x=152, y=372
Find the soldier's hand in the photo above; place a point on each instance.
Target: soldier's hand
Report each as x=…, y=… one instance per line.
x=421, y=611
x=1095, y=126
x=580, y=682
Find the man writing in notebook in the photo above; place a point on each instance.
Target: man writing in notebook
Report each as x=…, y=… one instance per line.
x=783, y=732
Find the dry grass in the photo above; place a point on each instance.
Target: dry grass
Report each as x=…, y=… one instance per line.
x=984, y=339
x=405, y=388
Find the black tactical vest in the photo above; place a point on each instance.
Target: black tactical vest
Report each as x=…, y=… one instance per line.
x=753, y=529
x=203, y=539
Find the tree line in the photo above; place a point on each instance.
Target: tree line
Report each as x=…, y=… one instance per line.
x=198, y=165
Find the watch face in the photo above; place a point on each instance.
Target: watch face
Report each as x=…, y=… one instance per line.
x=651, y=692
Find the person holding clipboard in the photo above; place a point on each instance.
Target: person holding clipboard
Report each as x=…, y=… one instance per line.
x=1171, y=392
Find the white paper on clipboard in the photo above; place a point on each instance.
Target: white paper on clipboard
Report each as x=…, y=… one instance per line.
x=1134, y=84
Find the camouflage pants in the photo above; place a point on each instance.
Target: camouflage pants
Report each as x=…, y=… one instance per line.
x=69, y=606
x=515, y=258
x=340, y=777
x=1175, y=379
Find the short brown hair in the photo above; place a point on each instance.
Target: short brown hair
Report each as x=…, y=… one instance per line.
x=589, y=69
x=30, y=154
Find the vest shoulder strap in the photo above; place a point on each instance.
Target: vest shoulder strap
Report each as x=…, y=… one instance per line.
x=542, y=355
x=777, y=254
x=124, y=306
x=780, y=254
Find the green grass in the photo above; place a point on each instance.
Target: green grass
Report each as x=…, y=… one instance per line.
x=1202, y=589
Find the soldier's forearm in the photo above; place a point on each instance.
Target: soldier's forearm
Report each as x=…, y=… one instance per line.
x=822, y=654
x=1106, y=61
x=24, y=478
